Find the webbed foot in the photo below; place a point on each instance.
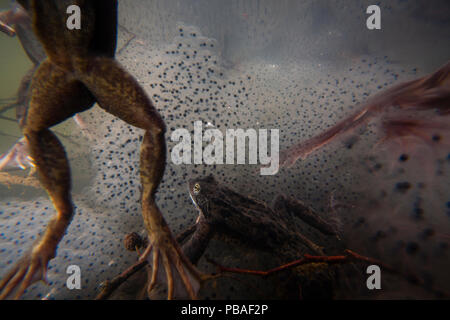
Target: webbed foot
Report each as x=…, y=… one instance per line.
x=169, y=265
x=28, y=270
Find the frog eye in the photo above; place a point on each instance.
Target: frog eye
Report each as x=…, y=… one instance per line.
x=196, y=188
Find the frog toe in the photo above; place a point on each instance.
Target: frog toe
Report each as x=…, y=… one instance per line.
x=30, y=269
x=171, y=269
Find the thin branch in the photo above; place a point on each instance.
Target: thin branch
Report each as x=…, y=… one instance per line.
x=110, y=286
x=9, y=135
x=8, y=106
x=8, y=119
x=350, y=257
x=133, y=36
x=9, y=179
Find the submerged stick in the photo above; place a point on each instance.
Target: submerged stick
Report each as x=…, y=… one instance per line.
x=9, y=179
x=108, y=287
x=307, y=259
x=349, y=257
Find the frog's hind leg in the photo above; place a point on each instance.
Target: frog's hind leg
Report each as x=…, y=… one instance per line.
x=297, y=208
x=119, y=93
x=55, y=97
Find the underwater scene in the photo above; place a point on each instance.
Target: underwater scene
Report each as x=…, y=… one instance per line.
x=212, y=149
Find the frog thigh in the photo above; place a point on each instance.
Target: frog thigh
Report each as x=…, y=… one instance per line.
x=55, y=96
x=310, y=216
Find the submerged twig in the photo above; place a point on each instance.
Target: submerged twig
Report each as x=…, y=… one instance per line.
x=9, y=135
x=133, y=36
x=349, y=257
x=307, y=259
x=9, y=106
x=9, y=179
x=8, y=119
x=108, y=287
x=7, y=100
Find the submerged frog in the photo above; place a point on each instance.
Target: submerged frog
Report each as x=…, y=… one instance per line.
x=80, y=70
x=276, y=230
x=252, y=221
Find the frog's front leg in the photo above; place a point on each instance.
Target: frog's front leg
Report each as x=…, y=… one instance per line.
x=55, y=97
x=119, y=93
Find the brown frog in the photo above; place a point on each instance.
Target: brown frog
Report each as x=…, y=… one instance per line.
x=270, y=228
x=80, y=70
x=277, y=230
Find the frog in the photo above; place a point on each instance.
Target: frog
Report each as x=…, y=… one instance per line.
x=276, y=229
x=271, y=228
x=78, y=71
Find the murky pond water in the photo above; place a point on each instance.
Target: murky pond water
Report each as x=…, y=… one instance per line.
x=295, y=66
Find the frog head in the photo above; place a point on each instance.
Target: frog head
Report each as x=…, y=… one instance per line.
x=201, y=191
